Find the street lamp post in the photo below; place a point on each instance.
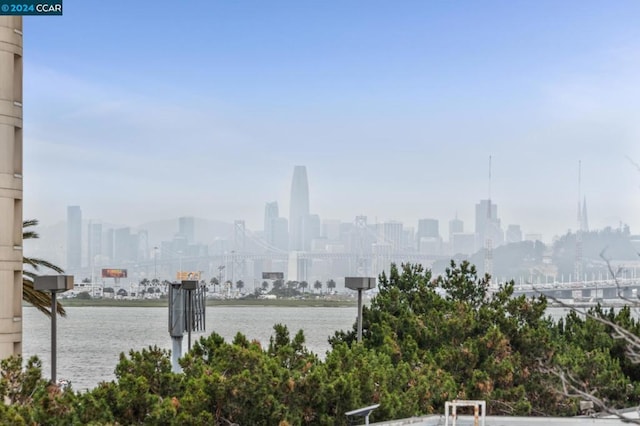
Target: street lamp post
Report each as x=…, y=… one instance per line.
x=155, y=263
x=53, y=284
x=360, y=284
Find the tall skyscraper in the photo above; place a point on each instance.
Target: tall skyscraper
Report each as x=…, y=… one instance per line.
x=94, y=242
x=488, y=225
x=299, y=210
x=281, y=233
x=271, y=213
x=10, y=185
x=107, y=243
x=125, y=245
x=429, y=230
x=74, y=237
x=391, y=233
x=187, y=228
x=456, y=226
x=276, y=228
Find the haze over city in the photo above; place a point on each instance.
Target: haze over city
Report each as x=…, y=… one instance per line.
x=140, y=113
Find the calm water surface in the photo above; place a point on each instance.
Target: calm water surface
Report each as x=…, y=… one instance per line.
x=91, y=339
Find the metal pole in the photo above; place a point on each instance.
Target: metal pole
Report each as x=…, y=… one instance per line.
x=360, y=315
x=189, y=320
x=176, y=353
x=53, y=337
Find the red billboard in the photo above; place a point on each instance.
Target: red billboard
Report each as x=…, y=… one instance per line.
x=114, y=273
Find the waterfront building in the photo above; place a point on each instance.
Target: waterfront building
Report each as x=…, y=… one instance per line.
x=10, y=185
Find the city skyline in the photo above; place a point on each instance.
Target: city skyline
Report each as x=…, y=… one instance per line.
x=472, y=214
x=394, y=111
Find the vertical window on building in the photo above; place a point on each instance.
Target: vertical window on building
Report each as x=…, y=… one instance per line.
x=17, y=223
x=17, y=150
x=17, y=294
x=17, y=79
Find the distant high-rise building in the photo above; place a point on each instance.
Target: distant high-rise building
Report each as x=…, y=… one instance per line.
x=488, y=225
x=456, y=226
x=187, y=228
x=142, y=240
x=94, y=242
x=514, y=234
x=463, y=243
x=271, y=213
x=313, y=228
x=281, y=233
x=331, y=230
x=299, y=210
x=391, y=234
x=74, y=237
x=125, y=245
x=428, y=229
x=107, y=243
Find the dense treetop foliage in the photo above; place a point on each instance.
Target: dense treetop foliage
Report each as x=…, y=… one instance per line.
x=426, y=340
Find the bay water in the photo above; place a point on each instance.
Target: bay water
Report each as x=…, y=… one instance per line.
x=91, y=339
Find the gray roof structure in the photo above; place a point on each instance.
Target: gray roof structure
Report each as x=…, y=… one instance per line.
x=439, y=420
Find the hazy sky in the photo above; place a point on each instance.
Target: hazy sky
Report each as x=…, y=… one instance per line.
x=139, y=111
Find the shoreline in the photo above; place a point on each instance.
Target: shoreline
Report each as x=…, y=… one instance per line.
x=158, y=303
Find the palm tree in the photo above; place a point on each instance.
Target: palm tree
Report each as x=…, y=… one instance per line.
x=318, y=285
x=304, y=285
x=278, y=284
x=214, y=282
x=265, y=286
x=331, y=284
x=38, y=299
x=239, y=285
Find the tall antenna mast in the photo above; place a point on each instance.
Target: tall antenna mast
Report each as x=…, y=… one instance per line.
x=488, y=230
x=489, y=182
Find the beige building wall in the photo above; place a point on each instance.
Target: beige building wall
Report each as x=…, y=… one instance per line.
x=10, y=185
